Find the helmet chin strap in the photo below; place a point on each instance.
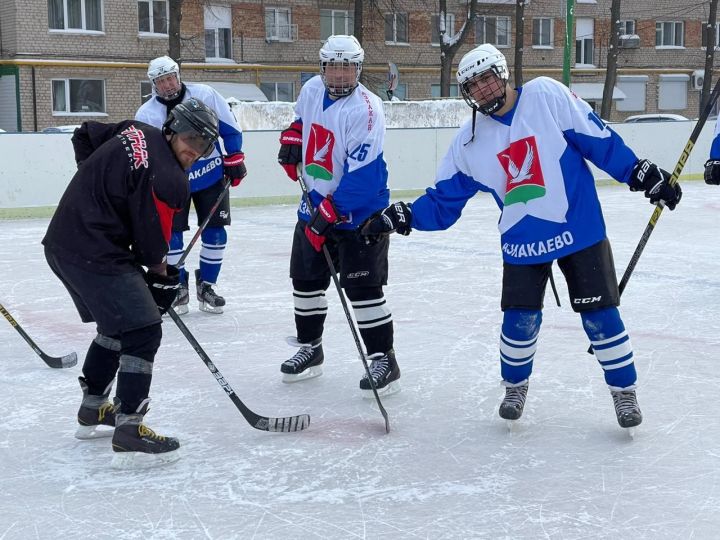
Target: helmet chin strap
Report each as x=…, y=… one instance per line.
x=494, y=105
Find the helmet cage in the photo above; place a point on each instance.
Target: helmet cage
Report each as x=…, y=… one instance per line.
x=161, y=67
x=344, y=77
x=498, y=90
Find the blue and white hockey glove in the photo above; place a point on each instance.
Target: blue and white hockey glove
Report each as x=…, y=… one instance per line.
x=648, y=177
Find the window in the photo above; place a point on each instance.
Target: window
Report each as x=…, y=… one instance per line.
x=435, y=31
x=218, y=32
x=669, y=34
x=495, y=30
x=278, y=91
x=83, y=96
x=145, y=91
x=75, y=15
x=633, y=86
x=278, y=25
x=396, y=28
x=707, y=31
x=542, y=32
x=584, y=30
x=435, y=90
x=336, y=21
x=626, y=27
x=672, y=94
x=153, y=16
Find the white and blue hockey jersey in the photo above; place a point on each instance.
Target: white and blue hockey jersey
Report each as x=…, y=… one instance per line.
x=206, y=171
x=343, y=151
x=532, y=161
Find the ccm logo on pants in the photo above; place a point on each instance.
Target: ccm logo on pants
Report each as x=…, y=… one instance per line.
x=588, y=300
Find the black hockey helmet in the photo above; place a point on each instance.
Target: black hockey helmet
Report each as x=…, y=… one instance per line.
x=197, y=121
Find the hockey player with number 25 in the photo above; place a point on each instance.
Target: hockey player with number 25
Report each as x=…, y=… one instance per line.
x=527, y=148
x=338, y=136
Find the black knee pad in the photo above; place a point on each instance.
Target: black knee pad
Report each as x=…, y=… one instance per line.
x=143, y=342
x=309, y=286
x=356, y=294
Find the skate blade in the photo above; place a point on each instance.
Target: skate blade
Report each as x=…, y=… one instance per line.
x=141, y=460
x=389, y=390
x=207, y=308
x=511, y=425
x=309, y=373
x=180, y=309
x=631, y=431
x=93, y=432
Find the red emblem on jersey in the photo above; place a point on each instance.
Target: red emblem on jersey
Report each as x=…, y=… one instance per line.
x=525, y=179
x=318, y=156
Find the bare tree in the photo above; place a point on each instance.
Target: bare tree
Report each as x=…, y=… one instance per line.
x=174, y=41
x=449, y=44
x=710, y=31
x=519, y=41
x=612, y=56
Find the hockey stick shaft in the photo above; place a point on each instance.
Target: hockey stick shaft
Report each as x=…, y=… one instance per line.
x=263, y=423
x=673, y=180
x=341, y=294
x=200, y=230
x=69, y=360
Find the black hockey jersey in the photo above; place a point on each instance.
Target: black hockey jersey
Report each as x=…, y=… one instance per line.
x=117, y=211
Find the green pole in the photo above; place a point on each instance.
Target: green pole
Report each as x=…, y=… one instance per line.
x=569, y=38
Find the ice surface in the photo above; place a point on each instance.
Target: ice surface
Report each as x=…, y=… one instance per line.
x=449, y=468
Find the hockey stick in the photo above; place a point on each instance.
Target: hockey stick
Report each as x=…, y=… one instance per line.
x=333, y=273
x=263, y=423
x=211, y=212
x=673, y=180
x=69, y=360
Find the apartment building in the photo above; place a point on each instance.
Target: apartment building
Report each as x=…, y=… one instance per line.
x=65, y=61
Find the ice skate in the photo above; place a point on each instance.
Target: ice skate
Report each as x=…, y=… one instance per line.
x=180, y=305
x=385, y=373
x=96, y=415
x=136, y=446
x=513, y=403
x=627, y=409
x=304, y=364
x=210, y=301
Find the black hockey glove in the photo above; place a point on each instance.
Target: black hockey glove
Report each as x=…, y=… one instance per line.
x=395, y=218
x=648, y=177
x=290, y=153
x=712, y=172
x=164, y=289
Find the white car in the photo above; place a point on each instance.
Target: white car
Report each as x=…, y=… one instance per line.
x=60, y=129
x=659, y=117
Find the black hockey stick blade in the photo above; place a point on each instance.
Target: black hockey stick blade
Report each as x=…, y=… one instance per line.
x=69, y=360
x=286, y=424
x=673, y=180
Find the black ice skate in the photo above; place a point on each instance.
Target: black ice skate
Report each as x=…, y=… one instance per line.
x=96, y=414
x=180, y=305
x=304, y=364
x=626, y=407
x=513, y=403
x=210, y=302
x=385, y=373
x=137, y=446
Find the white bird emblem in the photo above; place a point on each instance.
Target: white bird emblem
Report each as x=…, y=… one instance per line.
x=320, y=154
x=523, y=173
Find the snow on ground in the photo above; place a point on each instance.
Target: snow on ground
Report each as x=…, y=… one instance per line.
x=449, y=468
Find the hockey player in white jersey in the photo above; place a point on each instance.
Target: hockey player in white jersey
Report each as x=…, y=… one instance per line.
x=338, y=136
x=527, y=149
x=206, y=177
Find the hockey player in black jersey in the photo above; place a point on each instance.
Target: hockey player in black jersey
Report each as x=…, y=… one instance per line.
x=113, y=221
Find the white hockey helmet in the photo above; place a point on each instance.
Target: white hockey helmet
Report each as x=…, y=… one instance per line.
x=476, y=63
x=344, y=51
x=160, y=67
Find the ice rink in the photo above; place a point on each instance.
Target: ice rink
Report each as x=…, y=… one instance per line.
x=449, y=469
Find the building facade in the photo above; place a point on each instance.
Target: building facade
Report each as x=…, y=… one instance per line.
x=65, y=61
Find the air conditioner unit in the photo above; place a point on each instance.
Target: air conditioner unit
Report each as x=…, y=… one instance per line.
x=698, y=79
x=629, y=41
